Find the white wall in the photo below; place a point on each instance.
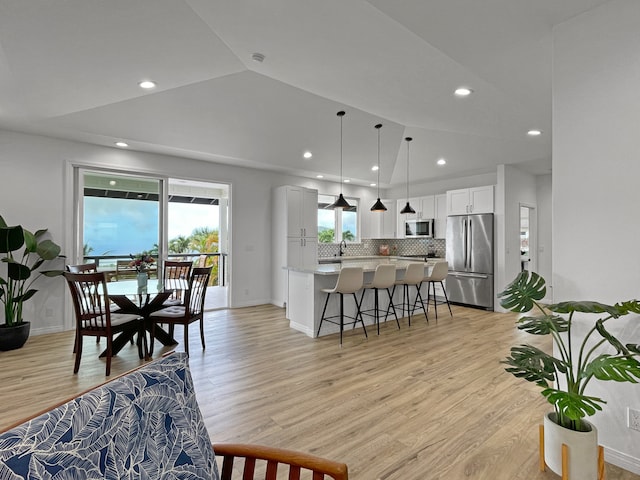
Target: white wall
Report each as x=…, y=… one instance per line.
x=596, y=144
x=544, y=240
x=36, y=192
x=514, y=187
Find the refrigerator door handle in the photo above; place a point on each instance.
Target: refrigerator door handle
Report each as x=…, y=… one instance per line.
x=467, y=253
x=468, y=275
x=464, y=236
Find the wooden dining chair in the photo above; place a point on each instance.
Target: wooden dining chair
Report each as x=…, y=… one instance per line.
x=83, y=268
x=93, y=316
x=176, y=270
x=191, y=311
x=271, y=459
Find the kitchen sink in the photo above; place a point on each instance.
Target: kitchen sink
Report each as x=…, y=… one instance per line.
x=329, y=260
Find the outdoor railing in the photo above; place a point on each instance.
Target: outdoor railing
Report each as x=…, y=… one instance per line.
x=107, y=263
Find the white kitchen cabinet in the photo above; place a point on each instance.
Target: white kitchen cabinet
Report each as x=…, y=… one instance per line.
x=302, y=212
x=380, y=224
x=294, y=235
x=440, y=226
x=470, y=200
x=302, y=251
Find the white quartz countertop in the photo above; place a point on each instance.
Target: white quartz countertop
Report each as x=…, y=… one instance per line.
x=368, y=264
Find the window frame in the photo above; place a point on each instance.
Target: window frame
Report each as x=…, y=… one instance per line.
x=338, y=217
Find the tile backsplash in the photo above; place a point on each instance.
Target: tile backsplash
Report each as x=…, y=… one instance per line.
x=397, y=246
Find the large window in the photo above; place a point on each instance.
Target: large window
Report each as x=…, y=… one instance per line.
x=345, y=220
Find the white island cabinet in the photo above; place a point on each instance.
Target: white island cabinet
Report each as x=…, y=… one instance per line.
x=306, y=300
x=294, y=235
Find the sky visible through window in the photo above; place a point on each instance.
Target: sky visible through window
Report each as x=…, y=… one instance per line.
x=114, y=226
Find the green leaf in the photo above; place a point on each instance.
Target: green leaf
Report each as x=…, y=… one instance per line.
x=11, y=239
x=618, y=368
x=573, y=405
x=620, y=348
x=24, y=297
x=17, y=271
x=543, y=325
x=633, y=347
x=519, y=295
x=533, y=365
x=48, y=250
x=587, y=307
x=30, y=242
x=52, y=273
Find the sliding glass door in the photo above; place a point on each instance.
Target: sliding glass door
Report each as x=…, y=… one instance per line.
x=121, y=218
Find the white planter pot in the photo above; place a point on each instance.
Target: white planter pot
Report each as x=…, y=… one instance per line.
x=583, y=449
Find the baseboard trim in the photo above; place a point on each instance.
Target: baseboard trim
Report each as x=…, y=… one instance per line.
x=302, y=328
x=622, y=460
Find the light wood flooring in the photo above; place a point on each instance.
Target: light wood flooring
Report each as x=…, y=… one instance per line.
x=421, y=403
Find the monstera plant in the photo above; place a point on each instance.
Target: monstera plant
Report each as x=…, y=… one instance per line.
x=23, y=255
x=564, y=377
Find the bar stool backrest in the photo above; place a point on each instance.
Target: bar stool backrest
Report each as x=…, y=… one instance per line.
x=414, y=274
x=350, y=280
x=384, y=276
x=439, y=272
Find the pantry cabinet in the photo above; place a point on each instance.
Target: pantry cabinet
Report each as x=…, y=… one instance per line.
x=294, y=234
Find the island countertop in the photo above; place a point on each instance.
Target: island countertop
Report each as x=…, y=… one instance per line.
x=368, y=264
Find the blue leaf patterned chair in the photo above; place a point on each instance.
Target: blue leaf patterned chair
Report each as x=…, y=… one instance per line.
x=145, y=424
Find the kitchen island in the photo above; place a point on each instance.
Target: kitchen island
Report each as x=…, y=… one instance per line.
x=306, y=300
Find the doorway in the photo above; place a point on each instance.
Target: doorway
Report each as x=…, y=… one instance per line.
x=528, y=235
x=123, y=215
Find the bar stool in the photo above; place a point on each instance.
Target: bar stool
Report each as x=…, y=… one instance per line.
x=438, y=274
x=383, y=278
x=350, y=280
x=413, y=277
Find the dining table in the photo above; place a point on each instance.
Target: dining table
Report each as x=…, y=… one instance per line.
x=143, y=300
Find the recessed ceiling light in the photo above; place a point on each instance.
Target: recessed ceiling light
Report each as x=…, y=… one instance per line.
x=112, y=182
x=122, y=144
x=534, y=133
x=441, y=161
x=347, y=180
x=463, y=91
x=319, y=176
x=374, y=168
x=257, y=57
x=372, y=184
x=147, y=84
x=307, y=154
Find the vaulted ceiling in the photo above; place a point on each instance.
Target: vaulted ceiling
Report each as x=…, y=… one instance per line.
x=71, y=68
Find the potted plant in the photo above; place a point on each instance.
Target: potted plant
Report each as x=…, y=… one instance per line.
x=22, y=269
x=575, y=362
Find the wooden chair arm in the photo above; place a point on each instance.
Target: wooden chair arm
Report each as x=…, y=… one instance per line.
x=274, y=456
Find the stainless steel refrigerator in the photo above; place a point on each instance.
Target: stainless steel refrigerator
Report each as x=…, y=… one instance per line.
x=470, y=258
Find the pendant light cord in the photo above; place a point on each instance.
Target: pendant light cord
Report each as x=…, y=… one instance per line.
x=408, y=139
x=378, y=128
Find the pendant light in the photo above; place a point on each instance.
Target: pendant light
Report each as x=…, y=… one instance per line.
x=407, y=208
x=340, y=202
x=378, y=206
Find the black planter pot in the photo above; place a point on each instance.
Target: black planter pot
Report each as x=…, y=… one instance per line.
x=14, y=337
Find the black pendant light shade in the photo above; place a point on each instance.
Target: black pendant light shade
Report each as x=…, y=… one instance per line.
x=378, y=206
x=340, y=202
x=407, y=208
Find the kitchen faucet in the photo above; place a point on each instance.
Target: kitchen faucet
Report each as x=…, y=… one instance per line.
x=342, y=243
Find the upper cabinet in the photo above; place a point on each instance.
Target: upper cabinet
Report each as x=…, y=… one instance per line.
x=302, y=211
x=440, y=227
x=380, y=224
x=470, y=200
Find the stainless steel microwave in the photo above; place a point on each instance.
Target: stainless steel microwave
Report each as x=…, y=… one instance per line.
x=419, y=228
